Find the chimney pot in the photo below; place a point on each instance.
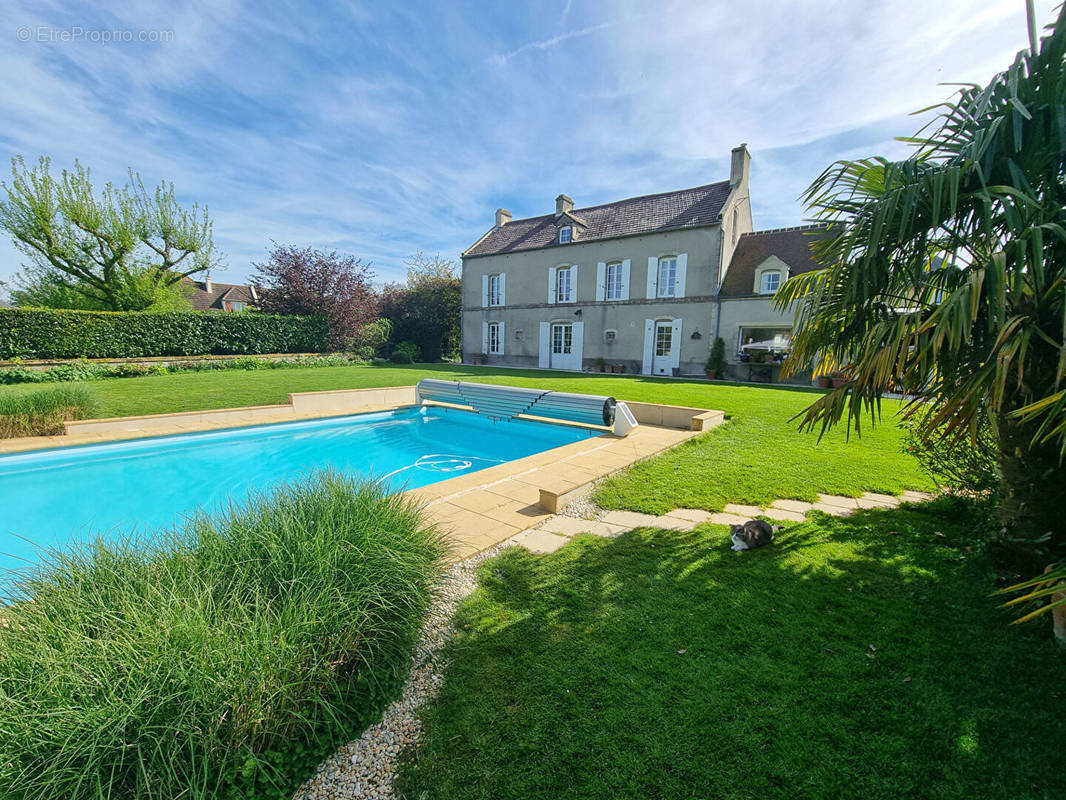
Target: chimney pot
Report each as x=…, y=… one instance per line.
x=563, y=204
x=740, y=165
x=503, y=216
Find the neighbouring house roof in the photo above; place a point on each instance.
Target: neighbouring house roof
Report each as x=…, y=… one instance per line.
x=791, y=245
x=220, y=294
x=652, y=213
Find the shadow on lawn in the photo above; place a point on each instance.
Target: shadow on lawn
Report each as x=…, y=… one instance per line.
x=855, y=657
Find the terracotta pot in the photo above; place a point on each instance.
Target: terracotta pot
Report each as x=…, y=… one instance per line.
x=839, y=381
x=824, y=381
x=712, y=374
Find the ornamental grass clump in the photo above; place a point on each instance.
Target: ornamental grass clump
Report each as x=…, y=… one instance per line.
x=42, y=413
x=222, y=660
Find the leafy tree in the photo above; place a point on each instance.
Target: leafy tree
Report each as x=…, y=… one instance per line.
x=427, y=309
x=121, y=249
x=945, y=274
x=38, y=287
x=306, y=281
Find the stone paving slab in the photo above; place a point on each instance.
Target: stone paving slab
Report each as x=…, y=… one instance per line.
x=783, y=515
x=838, y=500
x=797, y=506
x=539, y=541
x=632, y=519
x=694, y=514
x=833, y=510
x=742, y=510
x=722, y=518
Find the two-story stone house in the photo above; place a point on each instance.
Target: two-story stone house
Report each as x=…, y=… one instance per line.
x=634, y=282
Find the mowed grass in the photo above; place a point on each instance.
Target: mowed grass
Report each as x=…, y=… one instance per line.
x=853, y=658
x=757, y=457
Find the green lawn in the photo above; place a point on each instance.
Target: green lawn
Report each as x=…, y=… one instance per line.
x=853, y=658
x=757, y=457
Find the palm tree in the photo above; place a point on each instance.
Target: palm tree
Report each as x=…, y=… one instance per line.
x=945, y=275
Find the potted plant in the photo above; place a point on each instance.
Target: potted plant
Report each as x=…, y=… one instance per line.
x=601, y=364
x=825, y=381
x=838, y=379
x=716, y=359
x=618, y=368
x=481, y=358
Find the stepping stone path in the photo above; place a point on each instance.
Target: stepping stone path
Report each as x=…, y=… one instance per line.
x=556, y=531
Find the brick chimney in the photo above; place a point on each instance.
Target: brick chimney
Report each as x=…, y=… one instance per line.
x=563, y=204
x=740, y=166
x=503, y=216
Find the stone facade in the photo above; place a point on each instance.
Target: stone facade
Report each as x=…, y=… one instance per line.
x=635, y=284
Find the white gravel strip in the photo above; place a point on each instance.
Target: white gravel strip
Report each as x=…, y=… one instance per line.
x=364, y=769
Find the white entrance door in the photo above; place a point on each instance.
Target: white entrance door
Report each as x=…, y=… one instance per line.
x=561, y=345
x=662, y=360
x=662, y=347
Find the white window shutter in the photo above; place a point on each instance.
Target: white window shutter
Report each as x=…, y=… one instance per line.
x=579, y=343
x=675, y=356
x=573, y=283
x=601, y=280
x=484, y=291
x=545, y=344
x=653, y=276
x=649, y=346
x=503, y=338
x=503, y=288
x=484, y=337
x=625, y=279
x=682, y=268
x=551, y=285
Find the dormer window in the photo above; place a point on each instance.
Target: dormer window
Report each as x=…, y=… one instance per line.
x=770, y=281
x=566, y=234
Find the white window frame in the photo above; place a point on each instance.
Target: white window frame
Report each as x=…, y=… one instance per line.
x=566, y=234
x=568, y=274
x=763, y=281
x=494, y=290
x=565, y=330
x=495, y=342
x=671, y=282
x=236, y=305
x=615, y=290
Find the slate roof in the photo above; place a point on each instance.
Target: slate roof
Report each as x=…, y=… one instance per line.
x=220, y=293
x=652, y=213
x=791, y=245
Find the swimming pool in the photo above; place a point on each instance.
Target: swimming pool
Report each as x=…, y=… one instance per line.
x=55, y=497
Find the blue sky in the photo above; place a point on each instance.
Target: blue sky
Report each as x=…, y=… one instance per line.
x=383, y=128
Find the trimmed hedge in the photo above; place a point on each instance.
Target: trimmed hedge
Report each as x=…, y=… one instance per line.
x=48, y=333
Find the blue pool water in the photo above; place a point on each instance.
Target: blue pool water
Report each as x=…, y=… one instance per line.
x=54, y=497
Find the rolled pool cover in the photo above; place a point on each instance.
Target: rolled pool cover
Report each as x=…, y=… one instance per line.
x=507, y=402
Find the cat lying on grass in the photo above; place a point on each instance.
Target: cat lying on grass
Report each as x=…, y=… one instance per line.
x=753, y=533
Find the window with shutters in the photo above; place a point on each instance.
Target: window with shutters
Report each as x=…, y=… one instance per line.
x=614, y=280
x=494, y=291
x=666, y=286
x=564, y=285
x=494, y=338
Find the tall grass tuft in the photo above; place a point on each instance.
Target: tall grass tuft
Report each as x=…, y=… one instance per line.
x=219, y=661
x=43, y=413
